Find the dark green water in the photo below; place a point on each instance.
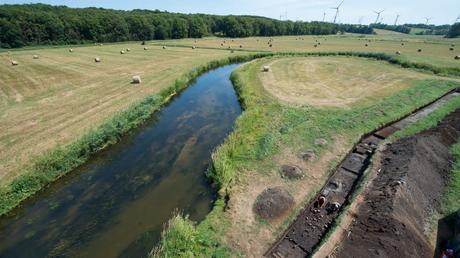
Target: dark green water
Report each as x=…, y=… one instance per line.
x=116, y=204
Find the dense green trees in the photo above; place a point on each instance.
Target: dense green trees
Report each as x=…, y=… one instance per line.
x=454, y=31
x=398, y=28
x=39, y=24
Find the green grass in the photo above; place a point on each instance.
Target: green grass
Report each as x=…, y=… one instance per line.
x=451, y=202
x=267, y=127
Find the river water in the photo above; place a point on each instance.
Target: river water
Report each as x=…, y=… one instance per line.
x=116, y=204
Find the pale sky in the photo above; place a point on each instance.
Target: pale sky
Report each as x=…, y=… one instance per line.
x=352, y=11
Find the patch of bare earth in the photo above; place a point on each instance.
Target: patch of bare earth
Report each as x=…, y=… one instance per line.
x=251, y=236
x=393, y=219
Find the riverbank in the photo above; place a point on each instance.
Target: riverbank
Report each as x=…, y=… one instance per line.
x=268, y=135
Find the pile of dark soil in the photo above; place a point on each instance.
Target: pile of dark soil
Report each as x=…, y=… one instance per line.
x=273, y=203
x=392, y=220
x=291, y=172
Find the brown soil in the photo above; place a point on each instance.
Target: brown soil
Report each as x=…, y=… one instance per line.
x=273, y=203
x=393, y=218
x=291, y=172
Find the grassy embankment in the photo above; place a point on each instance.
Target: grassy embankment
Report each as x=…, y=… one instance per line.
x=266, y=131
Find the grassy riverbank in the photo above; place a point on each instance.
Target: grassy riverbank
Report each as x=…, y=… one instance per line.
x=271, y=133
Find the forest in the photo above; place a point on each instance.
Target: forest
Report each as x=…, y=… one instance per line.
x=40, y=24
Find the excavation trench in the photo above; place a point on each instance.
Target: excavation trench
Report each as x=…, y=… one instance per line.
x=314, y=221
x=116, y=204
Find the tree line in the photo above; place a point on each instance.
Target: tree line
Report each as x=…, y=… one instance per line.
x=40, y=24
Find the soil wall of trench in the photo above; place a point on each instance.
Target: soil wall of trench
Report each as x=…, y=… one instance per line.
x=394, y=218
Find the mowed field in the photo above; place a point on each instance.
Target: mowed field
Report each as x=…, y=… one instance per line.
x=334, y=81
x=53, y=100
x=435, y=50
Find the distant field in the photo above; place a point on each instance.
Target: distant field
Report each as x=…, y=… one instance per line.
x=334, y=81
x=435, y=50
x=387, y=32
x=53, y=100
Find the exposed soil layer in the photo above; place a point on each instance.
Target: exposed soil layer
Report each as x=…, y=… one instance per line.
x=311, y=225
x=392, y=220
x=273, y=203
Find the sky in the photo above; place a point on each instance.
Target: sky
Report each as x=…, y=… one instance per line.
x=352, y=11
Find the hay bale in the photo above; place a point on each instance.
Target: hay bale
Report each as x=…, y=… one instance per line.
x=271, y=45
x=315, y=45
x=402, y=44
x=101, y=45
x=164, y=47
x=266, y=68
x=122, y=52
x=221, y=44
x=136, y=79
x=241, y=46
x=127, y=50
x=457, y=57
x=145, y=48
x=398, y=52
x=193, y=47
x=14, y=63
x=97, y=59
x=71, y=50
x=419, y=50
x=451, y=49
x=452, y=45
x=319, y=43
x=366, y=45
x=35, y=57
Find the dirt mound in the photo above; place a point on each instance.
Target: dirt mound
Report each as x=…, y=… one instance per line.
x=391, y=221
x=273, y=203
x=291, y=172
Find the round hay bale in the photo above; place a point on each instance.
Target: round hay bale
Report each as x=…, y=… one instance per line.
x=271, y=45
x=14, y=63
x=319, y=43
x=402, y=44
x=36, y=57
x=315, y=45
x=71, y=50
x=398, y=52
x=193, y=47
x=308, y=155
x=452, y=45
x=273, y=203
x=457, y=57
x=229, y=47
x=366, y=45
x=451, y=49
x=266, y=68
x=321, y=141
x=291, y=172
x=221, y=44
x=97, y=59
x=101, y=45
x=419, y=50
x=241, y=46
x=127, y=50
x=136, y=79
x=146, y=48
x=164, y=47
x=122, y=52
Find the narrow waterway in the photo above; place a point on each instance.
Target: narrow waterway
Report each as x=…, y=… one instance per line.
x=117, y=203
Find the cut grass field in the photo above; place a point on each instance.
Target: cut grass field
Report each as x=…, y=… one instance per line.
x=334, y=81
x=435, y=50
x=271, y=133
x=54, y=100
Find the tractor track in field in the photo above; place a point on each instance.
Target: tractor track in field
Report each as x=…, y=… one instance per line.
x=305, y=233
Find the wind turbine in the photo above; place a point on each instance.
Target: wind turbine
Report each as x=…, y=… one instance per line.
x=378, y=15
x=428, y=19
x=324, y=16
x=397, y=18
x=337, y=10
